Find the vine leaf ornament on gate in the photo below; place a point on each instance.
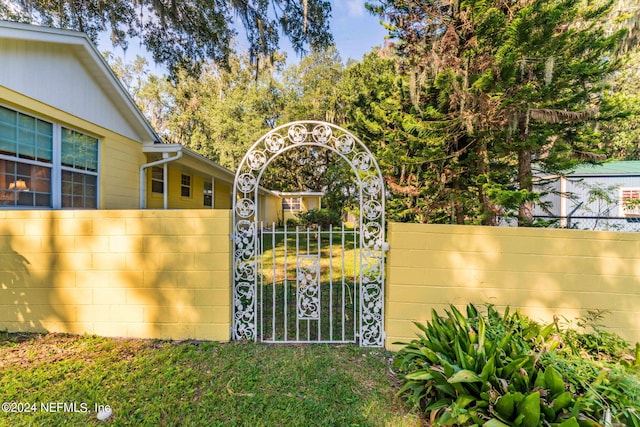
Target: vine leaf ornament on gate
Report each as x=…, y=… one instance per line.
x=371, y=224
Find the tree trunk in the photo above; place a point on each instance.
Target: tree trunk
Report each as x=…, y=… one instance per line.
x=487, y=215
x=525, y=179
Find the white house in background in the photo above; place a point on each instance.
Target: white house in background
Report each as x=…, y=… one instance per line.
x=593, y=191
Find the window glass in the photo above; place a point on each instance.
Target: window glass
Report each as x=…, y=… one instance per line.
x=157, y=180
x=208, y=193
x=23, y=184
x=25, y=137
x=79, y=190
x=79, y=151
x=185, y=188
x=291, y=204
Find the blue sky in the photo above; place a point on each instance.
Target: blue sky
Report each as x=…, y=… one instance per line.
x=354, y=29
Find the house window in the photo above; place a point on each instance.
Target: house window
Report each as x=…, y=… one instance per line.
x=630, y=201
x=45, y=165
x=292, y=204
x=208, y=194
x=26, y=157
x=157, y=180
x=185, y=186
x=79, y=158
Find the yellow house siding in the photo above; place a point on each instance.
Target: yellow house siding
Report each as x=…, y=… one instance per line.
x=120, y=174
x=542, y=271
x=222, y=194
x=132, y=273
x=272, y=207
x=120, y=157
x=222, y=199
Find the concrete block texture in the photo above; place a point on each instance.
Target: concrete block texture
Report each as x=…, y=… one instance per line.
x=542, y=272
x=149, y=274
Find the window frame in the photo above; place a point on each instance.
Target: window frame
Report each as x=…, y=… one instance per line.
x=188, y=187
x=76, y=170
x=207, y=194
x=156, y=180
x=289, y=204
x=635, y=192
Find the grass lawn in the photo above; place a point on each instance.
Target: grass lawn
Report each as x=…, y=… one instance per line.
x=149, y=383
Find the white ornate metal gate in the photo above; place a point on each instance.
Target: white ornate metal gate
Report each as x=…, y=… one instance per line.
x=294, y=307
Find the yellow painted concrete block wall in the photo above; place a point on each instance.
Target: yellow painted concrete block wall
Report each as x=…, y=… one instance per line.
x=130, y=273
x=543, y=272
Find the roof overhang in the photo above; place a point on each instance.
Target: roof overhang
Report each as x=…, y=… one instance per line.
x=299, y=193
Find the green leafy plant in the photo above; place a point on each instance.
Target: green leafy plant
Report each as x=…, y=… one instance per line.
x=314, y=218
x=498, y=370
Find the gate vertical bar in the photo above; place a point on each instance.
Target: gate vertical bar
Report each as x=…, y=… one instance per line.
x=286, y=283
x=319, y=283
x=260, y=271
x=331, y=282
x=308, y=241
x=273, y=281
x=344, y=317
x=356, y=284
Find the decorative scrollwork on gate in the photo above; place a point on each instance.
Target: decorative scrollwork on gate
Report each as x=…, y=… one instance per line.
x=371, y=224
x=308, y=286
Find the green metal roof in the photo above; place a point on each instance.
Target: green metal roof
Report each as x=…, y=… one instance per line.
x=627, y=167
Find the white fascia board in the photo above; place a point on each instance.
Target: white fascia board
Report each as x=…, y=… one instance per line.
x=161, y=148
x=298, y=193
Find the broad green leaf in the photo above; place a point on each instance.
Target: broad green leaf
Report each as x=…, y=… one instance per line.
x=494, y=422
x=489, y=369
x=530, y=408
x=553, y=380
x=422, y=375
x=464, y=376
x=464, y=400
x=571, y=422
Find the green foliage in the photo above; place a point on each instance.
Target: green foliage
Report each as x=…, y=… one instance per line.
x=184, y=34
x=495, y=89
x=292, y=223
x=496, y=370
x=219, y=113
x=323, y=218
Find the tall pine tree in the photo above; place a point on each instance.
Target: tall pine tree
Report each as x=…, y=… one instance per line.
x=515, y=84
